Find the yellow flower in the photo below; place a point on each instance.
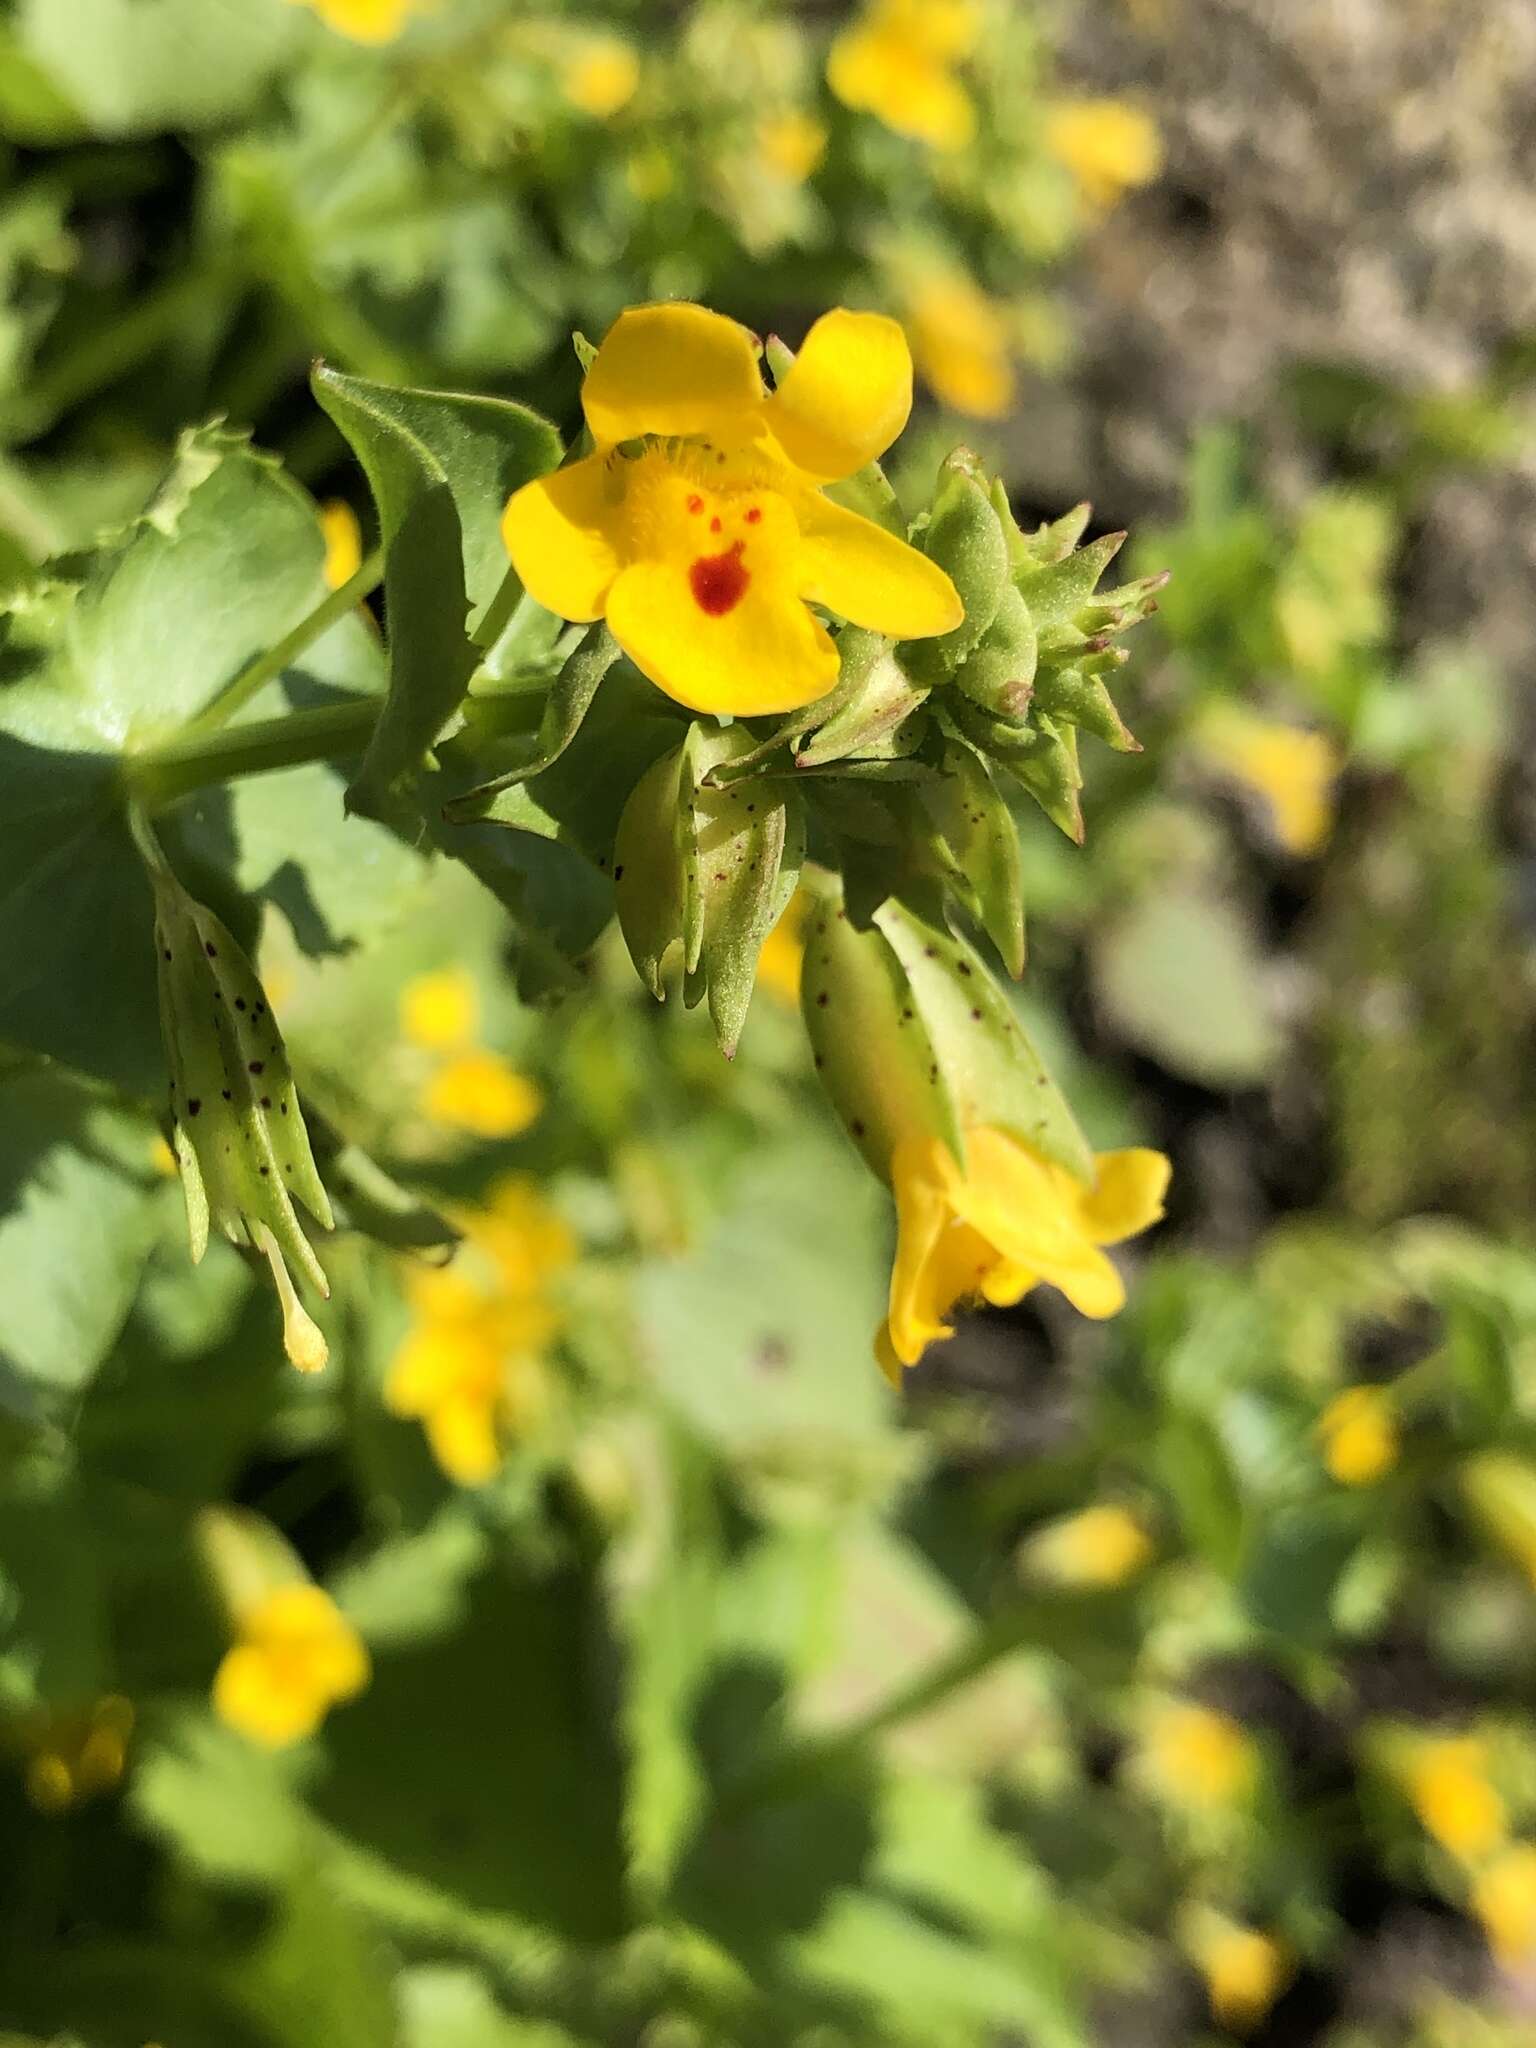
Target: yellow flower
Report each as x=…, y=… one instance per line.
x=1101, y=1546
x=791, y=144
x=296, y=1657
x=441, y=1010
x=783, y=954
x=1446, y=1779
x=898, y=62
x=602, y=77
x=1008, y=1222
x=343, y=542
x=698, y=527
x=365, y=21
x=1244, y=1970
x=1197, y=1756
x=480, y=1092
x=161, y=1157
x=73, y=1757
x=1501, y=1491
x=470, y=1368
x=1504, y=1899
x=1291, y=770
x=1108, y=147
x=961, y=345
x=1358, y=1431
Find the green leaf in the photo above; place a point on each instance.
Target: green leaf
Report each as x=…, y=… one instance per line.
x=1181, y=978
x=569, y=700
x=134, y=67
x=77, y=1215
x=441, y=466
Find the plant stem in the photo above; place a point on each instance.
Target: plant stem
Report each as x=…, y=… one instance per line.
x=193, y=759
x=262, y=670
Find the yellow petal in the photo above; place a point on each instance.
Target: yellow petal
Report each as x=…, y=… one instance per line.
x=254, y=1694
x=1030, y=1211
x=904, y=85
x=557, y=531
x=938, y=1262
x=846, y=396
x=961, y=343
x=871, y=578
x=765, y=653
x=462, y=1433
x=343, y=539
x=481, y=1093
x=670, y=369
x=441, y=1010
x=365, y=21
x=1127, y=1194
x=602, y=77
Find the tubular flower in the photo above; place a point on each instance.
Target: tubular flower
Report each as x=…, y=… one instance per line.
x=1108, y=147
x=961, y=345
x=698, y=527
x=1446, y=1779
x=471, y=1367
x=898, y=63
x=296, y=1657
x=1290, y=770
x=1358, y=1433
x=364, y=21
x=1008, y=1222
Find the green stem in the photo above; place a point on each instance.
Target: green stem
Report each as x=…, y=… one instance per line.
x=263, y=669
x=193, y=760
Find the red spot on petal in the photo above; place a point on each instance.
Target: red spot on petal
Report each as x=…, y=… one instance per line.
x=719, y=582
x=754, y=514
x=714, y=526
x=695, y=504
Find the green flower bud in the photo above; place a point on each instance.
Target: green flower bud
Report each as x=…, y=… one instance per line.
x=999, y=672
x=977, y=846
x=869, y=708
x=237, y=1129
x=963, y=536
x=703, y=870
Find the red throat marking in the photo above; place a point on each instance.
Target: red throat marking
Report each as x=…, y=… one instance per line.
x=719, y=582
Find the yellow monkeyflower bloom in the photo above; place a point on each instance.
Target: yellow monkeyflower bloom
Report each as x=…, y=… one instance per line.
x=698, y=527
x=898, y=63
x=1101, y=1546
x=470, y=1368
x=1009, y=1221
x=1244, y=1969
x=296, y=1656
x=1291, y=770
x=1108, y=147
x=1504, y=1900
x=1446, y=1779
x=1197, y=1756
x=480, y=1092
x=73, y=1757
x=365, y=21
x=440, y=1010
x=343, y=538
x=602, y=77
x=1359, y=1436
x=961, y=345
x=792, y=144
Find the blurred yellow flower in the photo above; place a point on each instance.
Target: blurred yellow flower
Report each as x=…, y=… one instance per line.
x=1244, y=1970
x=783, y=954
x=480, y=1092
x=898, y=62
x=365, y=21
x=1101, y=1546
x=296, y=1656
x=343, y=539
x=440, y=1010
x=602, y=77
x=792, y=144
x=1504, y=1900
x=1197, y=1756
x=1501, y=1491
x=961, y=345
x=471, y=1368
x=1293, y=771
x=1359, y=1436
x=73, y=1757
x=161, y=1157
x=1446, y=1779
x=1108, y=146
x=698, y=528
x=1006, y=1223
